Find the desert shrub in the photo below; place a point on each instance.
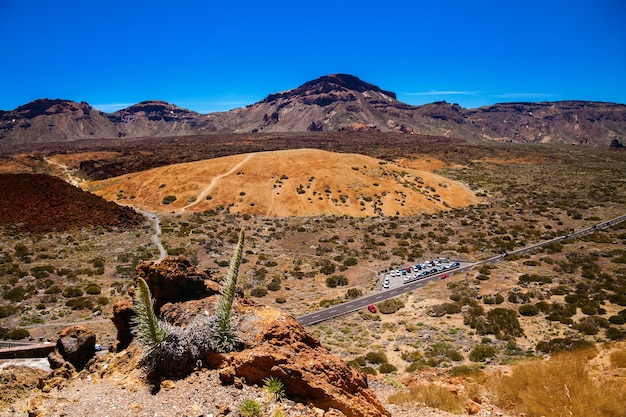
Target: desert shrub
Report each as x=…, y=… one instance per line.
x=493, y=299
x=481, y=352
x=80, y=303
x=71, y=292
x=249, y=408
x=336, y=280
x=274, y=285
x=433, y=395
x=369, y=370
x=14, y=334
x=376, y=357
x=93, y=289
x=562, y=344
x=591, y=325
x=612, y=319
x=259, y=291
x=353, y=293
x=55, y=289
x=15, y=294
x=274, y=387
x=387, y=368
x=350, y=262
x=527, y=278
x=613, y=333
x=390, y=306
x=168, y=199
x=566, y=387
x=528, y=310
x=102, y=301
x=6, y=311
x=443, y=309
x=281, y=300
x=503, y=322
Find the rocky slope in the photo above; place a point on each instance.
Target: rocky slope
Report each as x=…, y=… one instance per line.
x=41, y=203
x=330, y=103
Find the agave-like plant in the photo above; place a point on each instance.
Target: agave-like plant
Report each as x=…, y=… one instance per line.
x=224, y=331
x=151, y=332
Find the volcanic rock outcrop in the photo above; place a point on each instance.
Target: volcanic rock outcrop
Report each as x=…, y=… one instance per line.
x=274, y=345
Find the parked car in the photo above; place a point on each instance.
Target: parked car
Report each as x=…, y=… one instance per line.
x=444, y=276
x=371, y=308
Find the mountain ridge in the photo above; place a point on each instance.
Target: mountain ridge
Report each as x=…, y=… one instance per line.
x=330, y=103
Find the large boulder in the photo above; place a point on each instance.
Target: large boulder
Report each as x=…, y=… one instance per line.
x=75, y=345
x=175, y=280
x=283, y=349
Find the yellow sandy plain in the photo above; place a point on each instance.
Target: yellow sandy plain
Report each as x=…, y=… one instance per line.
x=302, y=182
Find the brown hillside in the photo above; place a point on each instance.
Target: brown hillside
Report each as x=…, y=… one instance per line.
x=41, y=203
x=304, y=182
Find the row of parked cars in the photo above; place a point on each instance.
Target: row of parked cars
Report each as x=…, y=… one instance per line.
x=431, y=271
x=421, y=270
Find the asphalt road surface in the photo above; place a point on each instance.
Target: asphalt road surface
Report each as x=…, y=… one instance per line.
x=354, y=305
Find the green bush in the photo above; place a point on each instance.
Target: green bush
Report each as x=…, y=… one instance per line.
x=6, y=311
x=15, y=334
x=376, y=357
x=350, y=262
x=281, y=300
x=249, y=408
x=55, y=289
x=168, y=199
x=390, y=306
x=259, y=291
x=93, y=289
x=15, y=294
x=353, y=293
x=528, y=310
x=481, y=352
x=71, y=292
x=369, y=370
x=387, y=368
x=336, y=280
x=612, y=319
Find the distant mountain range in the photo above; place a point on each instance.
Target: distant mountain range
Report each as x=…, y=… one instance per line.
x=330, y=103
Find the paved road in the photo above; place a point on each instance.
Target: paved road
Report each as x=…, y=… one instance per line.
x=354, y=305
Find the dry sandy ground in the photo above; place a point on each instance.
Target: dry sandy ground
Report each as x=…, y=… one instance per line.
x=302, y=182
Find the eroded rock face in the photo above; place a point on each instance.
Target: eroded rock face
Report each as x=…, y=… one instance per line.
x=180, y=291
x=176, y=280
x=75, y=345
x=311, y=374
x=274, y=344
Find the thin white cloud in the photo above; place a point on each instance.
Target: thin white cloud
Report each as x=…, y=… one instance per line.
x=525, y=95
x=443, y=93
x=111, y=107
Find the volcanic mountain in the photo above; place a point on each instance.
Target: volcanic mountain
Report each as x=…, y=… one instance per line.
x=329, y=103
x=302, y=182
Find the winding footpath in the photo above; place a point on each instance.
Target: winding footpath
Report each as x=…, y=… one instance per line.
x=156, y=237
x=205, y=192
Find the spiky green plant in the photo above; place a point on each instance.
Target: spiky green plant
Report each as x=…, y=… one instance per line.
x=148, y=329
x=274, y=387
x=249, y=408
x=225, y=333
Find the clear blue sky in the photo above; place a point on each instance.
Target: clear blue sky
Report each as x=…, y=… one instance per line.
x=213, y=57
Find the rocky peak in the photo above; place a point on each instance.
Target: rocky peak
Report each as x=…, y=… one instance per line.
x=329, y=84
x=47, y=106
x=154, y=110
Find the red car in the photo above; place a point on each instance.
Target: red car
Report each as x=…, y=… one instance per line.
x=371, y=308
x=444, y=276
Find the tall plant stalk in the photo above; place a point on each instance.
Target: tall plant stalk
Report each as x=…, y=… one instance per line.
x=148, y=329
x=224, y=330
